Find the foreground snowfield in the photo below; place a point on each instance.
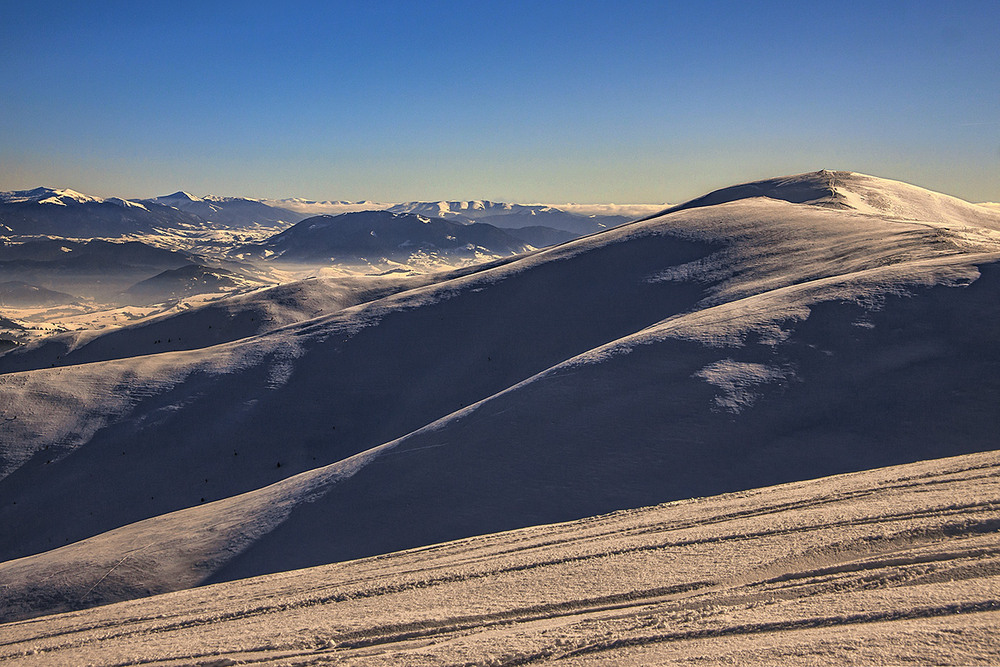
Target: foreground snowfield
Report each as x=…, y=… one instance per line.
x=889, y=566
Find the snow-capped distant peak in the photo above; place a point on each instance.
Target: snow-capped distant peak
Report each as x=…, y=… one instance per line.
x=180, y=195
x=59, y=197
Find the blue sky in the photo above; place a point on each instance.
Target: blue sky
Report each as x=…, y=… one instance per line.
x=556, y=101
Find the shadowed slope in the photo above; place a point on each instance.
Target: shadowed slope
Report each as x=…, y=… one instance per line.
x=306, y=395
x=222, y=321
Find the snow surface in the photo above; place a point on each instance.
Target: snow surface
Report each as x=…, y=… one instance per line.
x=773, y=332
x=891, y=566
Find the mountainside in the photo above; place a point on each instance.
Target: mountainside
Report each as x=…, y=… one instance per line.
x=20, y=294
x=540, y=236
x=93, y=268
x=778, y=331
x=187, y=281
x=221, y=321
x=71, y=214
x=375, y=237
x=229, y=211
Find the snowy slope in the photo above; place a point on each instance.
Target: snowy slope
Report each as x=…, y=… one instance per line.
x=891, y=566
x=720, y=347
x=53, y=196
x=221, y=321
x=857, y=192
x=186, y=281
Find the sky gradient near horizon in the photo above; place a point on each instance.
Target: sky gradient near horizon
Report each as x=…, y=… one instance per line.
x=586, y=101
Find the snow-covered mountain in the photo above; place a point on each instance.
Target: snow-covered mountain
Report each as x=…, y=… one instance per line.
x=468, y=210
x=179, y=283
x=578, y=219
x=71, y=214
x=506, y=215
x=64, y=212
x=776, y=331
x=53, y=196
x=229, y=211
x=19, y=294
x=378, y=238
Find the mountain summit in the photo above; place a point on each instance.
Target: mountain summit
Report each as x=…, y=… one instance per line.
x=375, y=238
x=855, y=192
x=180, y=196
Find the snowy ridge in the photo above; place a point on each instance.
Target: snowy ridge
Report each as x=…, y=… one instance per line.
x=47, y=196
x=60, y=197
x=858, y=192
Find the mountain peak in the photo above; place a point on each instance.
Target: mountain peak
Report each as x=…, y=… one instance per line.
x=853, y=191
x=181, y=195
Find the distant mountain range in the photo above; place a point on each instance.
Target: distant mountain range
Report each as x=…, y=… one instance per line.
x=506, y=215
x=71, y=214
x=228, y=211
x=181, y=231
x=66, y=212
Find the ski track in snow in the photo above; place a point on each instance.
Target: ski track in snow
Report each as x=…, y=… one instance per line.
x=883, y=566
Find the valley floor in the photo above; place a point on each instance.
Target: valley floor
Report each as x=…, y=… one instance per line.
x=889, y=566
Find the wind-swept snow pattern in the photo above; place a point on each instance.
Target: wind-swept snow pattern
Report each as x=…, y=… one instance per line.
x=772, y=332
x=897, y=565
x=737, y=380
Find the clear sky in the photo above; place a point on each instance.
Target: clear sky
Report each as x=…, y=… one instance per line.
x=549, y=101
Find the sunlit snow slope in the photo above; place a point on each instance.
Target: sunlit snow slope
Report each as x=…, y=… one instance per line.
x=776, y=331
x=892, y=566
